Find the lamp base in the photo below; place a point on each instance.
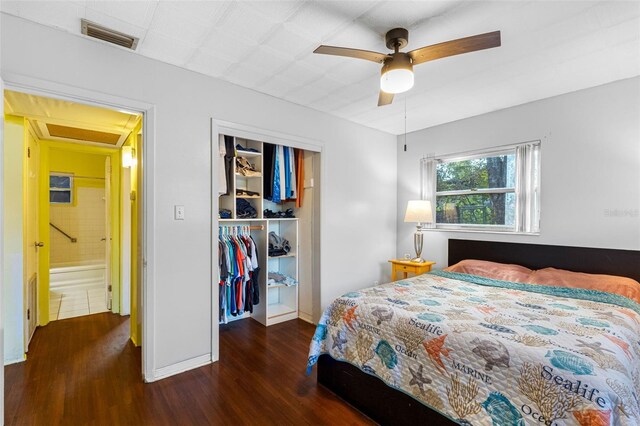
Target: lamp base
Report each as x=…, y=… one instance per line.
x=418, y=260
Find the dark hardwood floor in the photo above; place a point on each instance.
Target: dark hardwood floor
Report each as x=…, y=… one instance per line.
x=85, y=371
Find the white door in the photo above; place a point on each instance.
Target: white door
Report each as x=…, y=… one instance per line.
x=107, y=228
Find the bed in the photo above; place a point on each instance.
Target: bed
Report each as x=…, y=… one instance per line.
x=449, y=348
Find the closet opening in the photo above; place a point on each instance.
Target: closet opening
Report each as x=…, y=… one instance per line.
x=267, y=242
x=72, y=218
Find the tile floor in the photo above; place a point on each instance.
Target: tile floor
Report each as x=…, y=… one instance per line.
x=76, y=302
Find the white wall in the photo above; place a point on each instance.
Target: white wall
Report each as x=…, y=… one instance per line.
x=359, y=223
x=13, y=288
x=590, y=167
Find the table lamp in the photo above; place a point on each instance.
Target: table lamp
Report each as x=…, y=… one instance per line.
x=418, y=211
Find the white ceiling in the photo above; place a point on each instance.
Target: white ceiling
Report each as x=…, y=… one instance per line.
x=548, y=48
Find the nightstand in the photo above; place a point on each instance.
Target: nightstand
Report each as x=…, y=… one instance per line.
x=407, y=267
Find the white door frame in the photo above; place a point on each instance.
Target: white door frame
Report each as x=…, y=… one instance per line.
x=219, y=127
x=1, y=249
x=21, y=83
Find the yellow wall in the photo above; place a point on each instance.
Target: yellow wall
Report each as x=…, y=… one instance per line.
x=53, y=151
x=83, y=219
x=66, y=159
x=136, y=173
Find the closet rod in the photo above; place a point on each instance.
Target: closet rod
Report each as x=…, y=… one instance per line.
x=252, y=227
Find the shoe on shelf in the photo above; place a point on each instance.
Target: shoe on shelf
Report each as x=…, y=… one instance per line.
x=245, y=168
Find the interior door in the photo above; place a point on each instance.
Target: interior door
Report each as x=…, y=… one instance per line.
x=31, y=240
x=107, y=228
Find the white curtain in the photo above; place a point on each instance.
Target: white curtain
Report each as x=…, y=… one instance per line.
x=528, y=187
x=428, y=184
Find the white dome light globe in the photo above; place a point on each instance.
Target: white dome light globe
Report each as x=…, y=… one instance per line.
x=396, y=81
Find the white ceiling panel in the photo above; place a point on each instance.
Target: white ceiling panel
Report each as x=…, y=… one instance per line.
x=270, y=60
x=548, y=48
x=63, y=15
x=325, y=83
x=206, y=63
x=275, y=85
x=138, y=13
x=299, y=73
x=178, y=23
x=113, y=23
x=218, y=45
x=166, y=49
x=246, y=74
x=277, y=11
x=305, y=95
x=240, y=21
x=316, y=21
x=290, y=42
x=350, y=10
x=359, y=36
x=329, y=103
x=405, y=14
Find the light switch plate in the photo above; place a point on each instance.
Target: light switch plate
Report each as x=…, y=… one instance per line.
x=178, y=212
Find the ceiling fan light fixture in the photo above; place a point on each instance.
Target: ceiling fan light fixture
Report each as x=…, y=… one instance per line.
x=397, y=74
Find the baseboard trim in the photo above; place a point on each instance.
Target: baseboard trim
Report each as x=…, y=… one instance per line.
x=14, y=361
x=179, y=367
x=305, y=317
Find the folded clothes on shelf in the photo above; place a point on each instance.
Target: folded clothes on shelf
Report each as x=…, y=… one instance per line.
x=244, y=210
x=246, y=149
x=245, y=168
x=246, y=192
x=287, y=214
x=277, y=278
x=224, y=214
x=278, y=246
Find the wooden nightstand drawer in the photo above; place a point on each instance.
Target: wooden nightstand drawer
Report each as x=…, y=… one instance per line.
x=405, y=268
x=408, y=267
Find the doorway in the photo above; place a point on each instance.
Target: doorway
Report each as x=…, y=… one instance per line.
x=70, y=167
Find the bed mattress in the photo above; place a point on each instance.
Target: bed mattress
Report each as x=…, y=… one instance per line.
x=487, y=352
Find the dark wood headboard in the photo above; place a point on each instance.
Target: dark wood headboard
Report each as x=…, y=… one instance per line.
x=624, y=263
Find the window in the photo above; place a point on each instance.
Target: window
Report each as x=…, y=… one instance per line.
x=60, y=188
x=491, y=190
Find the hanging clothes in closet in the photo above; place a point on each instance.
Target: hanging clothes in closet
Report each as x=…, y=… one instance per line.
x=227, y=153
x=239, y=272
x=283, y=169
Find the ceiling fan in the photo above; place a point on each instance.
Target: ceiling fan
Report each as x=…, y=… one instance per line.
x=397, y=68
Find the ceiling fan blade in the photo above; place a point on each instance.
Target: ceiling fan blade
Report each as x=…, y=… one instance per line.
x=385, y=98
x=455, y=47
x=351, y=53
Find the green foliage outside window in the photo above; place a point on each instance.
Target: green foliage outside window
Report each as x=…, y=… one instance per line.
x=468, y=176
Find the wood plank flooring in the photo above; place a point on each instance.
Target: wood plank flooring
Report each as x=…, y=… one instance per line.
x=84, y=371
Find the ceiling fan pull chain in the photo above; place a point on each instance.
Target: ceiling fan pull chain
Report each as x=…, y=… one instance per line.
x=405, y=123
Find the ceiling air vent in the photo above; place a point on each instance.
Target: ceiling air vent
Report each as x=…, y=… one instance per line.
x=94, y=30
x=66, y=132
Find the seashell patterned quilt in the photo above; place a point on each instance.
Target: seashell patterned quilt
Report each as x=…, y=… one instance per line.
x=487, y=352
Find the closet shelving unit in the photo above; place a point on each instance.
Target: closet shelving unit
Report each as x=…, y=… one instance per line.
x=278, y=303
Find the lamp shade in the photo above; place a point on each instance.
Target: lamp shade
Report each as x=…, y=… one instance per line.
x=397, y=74
x=418, y=211
x=396, y=81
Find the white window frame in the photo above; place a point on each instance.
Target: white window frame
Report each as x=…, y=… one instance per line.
x=56, y=189
x=526, y=188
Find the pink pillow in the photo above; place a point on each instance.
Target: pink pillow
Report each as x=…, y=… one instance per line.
x=496, y=271
x=623, y=286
